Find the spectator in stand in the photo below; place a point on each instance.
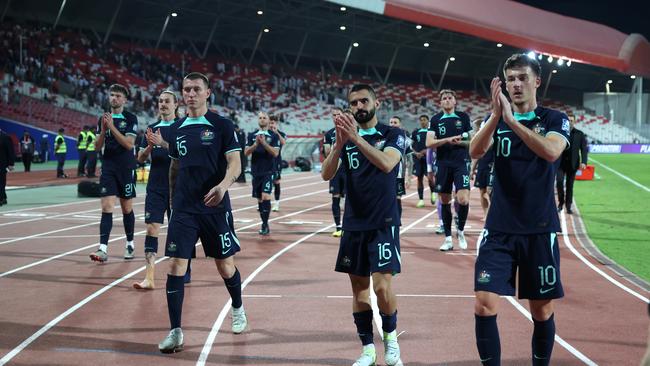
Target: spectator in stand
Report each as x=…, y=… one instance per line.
x=27, y=150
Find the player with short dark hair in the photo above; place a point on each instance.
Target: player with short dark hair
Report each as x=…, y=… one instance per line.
x=116, y=134
x=520, y=235
x=419, y=138
x=156, y=204
x=337, y=183
x=264, y=147
x=205, y=162
x=403, y=171
x=369, y=247
x=277, y=175
x=449, y=132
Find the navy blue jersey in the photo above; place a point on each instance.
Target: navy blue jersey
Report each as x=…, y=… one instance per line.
x=371, y=199
x=419, y=138
x=263, y=163
x=485, y=161
x=159, y=171
x=448, y=125
x=200, y=145
x=523, y=200
x=278, y=159
x=330, y=137
x=127, y=124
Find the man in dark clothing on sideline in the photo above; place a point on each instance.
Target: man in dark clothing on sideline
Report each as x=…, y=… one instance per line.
x=572, y=158
x=7, y=159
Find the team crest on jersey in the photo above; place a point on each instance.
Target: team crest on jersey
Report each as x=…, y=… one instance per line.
x=122, y=125
x=401, y=142
x=459, y=124
x=268, y=139
x=566, y=126
x=379, y=144
x=539, y=129
x=171, y=246
x=346, y=262
x=207, y=135
x=483, y=277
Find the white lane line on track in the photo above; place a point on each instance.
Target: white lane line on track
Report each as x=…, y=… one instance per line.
x=621, y=175
x=579, y=355
x=609, y=278
x=83, y=302
x=4, y=274
x=207, y=346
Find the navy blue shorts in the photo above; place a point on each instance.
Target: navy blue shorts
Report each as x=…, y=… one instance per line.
x=216, y=231
x=337, y=184
x=117, y=182
x=420, y=166
x=156, y=204
x=401, y=188
x=483, y=178
x=277, y=175
x=447, y=175
x=364, y=252
x=262, y=184
x=535, y=256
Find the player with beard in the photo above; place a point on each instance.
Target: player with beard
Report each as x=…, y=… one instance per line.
x=369, y=155
x=264, y=147
x=449, y=133
x=116, y=134
x=336, y=184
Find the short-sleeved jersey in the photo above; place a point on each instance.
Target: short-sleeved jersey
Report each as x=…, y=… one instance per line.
x=262, y=162
x=371, y=199
x=448, y=125
x=278, y=159
x=200, y=144
x=114, y=153
x=487, y=159
x=419, y=138
x=159, y=171
x=523, y=200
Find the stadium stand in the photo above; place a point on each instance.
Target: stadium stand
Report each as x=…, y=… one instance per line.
x=64, y=75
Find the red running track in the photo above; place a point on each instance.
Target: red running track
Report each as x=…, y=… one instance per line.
x=58, y=308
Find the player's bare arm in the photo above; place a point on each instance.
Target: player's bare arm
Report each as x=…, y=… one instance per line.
x=102, y=131
x=331, y=162
x=548, y=148
x=127, y=142
x=215, y=195
x=384, y=160
x=173, y=173
x=274, y=151
x=249, y=149
x=482, y=140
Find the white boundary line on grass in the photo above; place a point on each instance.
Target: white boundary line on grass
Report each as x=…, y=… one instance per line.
x=621, y=175
x=609, y=278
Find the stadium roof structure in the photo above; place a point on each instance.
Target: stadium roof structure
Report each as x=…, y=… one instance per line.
x=319, y=33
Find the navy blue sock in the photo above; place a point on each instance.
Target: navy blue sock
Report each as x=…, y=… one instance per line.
x=363, y=321
x=388, y=322
x=150, y=244
x=175, y=292
x=105, y=226
x=446, y=218
x=543, y=340
x=463, y=210
x=265, y=209
x=399, y=207
x=129, y=224
x=276, y=191
x=233, y=285
x=487, y=340
x=420, y=192
x=456, y=204
x=336, y=211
